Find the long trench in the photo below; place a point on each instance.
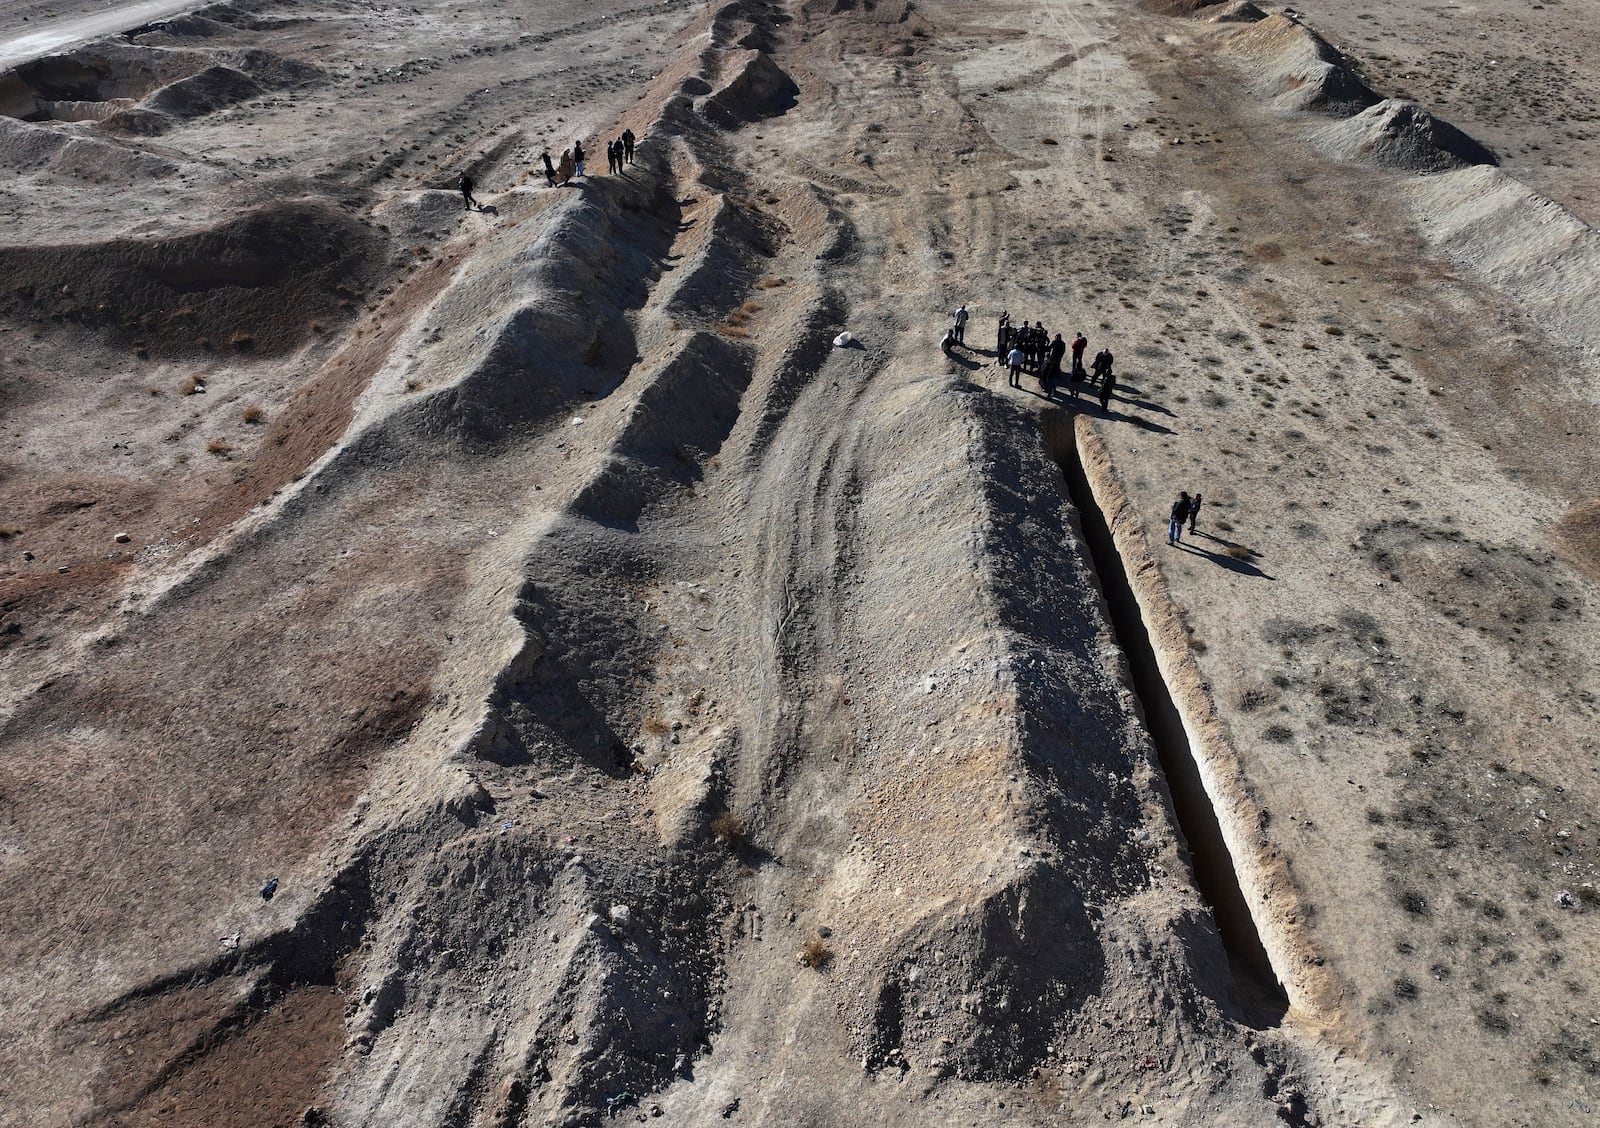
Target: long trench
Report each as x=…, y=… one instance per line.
x=1258, y=989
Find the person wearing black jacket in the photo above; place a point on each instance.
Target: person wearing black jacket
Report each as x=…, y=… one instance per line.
x=1180, y=514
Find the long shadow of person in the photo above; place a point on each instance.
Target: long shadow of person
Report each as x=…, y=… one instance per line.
x=1232, y=563
x=1146, y=405
x=966, y=362
x=1091, y=401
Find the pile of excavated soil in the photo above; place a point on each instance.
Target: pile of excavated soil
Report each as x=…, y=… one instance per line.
x=261, y=284
x=1298, y=69
x=1405, y=137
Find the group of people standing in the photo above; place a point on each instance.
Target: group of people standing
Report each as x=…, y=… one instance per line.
x=1023, y=347
x=573, y=162
x=619, y=153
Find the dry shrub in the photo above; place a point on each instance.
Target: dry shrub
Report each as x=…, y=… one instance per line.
x=816, y=953
x=654, y=725
x=219, y=446
x=413, y=385
x=729, y=829
x=771, y=283
x=252, y=414
x=242, y=342
x=740, y=317
x=153, y=390
x=1238, y=552
x=9, y=531
x=736, y=332
x=192, y=385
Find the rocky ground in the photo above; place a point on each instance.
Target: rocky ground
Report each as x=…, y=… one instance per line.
x=650, y=709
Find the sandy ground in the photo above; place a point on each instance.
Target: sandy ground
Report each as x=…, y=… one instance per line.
x=648, y=709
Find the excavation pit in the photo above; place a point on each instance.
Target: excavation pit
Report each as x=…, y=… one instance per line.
x=1258, y=989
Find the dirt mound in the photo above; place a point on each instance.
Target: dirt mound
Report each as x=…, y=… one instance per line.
x=1403, y=136
x=256, y=285
x=106, y=72
x=758, y=89
x=214, y=20
x=1024, y=961
x=139, y=89
x=1180, y=7
x=1518, y=241
x=204, y=93
x=51, y=151
x=1299, y=69
x=1237, y=11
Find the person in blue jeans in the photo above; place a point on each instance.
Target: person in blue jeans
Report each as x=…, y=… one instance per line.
x=1180, y=514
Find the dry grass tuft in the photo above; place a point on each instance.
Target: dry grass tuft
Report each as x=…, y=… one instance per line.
x=252, y=414
x=654, y=725
x=771, y=283
x=9, y=531
x=816, y=953
x=1238, y=552
x=729, y=829
x=219, y=446
x=153, y=390
x=192, y=385
x=242, y=342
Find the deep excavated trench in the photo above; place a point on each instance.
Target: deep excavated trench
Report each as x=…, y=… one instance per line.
x=1257, y=986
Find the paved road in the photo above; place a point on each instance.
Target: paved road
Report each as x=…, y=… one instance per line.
x=25, y=36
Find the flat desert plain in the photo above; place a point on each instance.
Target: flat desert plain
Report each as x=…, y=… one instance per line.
x=591, y=656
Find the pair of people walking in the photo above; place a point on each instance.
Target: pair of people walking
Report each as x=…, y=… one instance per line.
x=571, y=164
x=1186, y=508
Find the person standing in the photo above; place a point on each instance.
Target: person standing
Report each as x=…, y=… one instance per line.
x=1079, y=343
x=1180, y=514
x=1105, y=391
x=1003, y=337
x=627, y=145
x=465, y=184
x=960, y=327
x=577, y=157
x=1101, y=365
x=1052, y=363
x=549, y=169
x=1194, y=511
x=1015, y=362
